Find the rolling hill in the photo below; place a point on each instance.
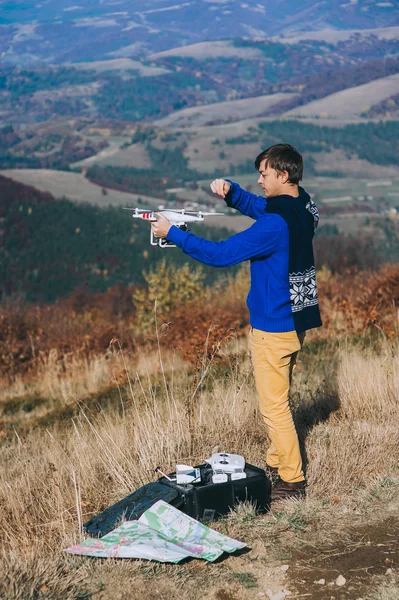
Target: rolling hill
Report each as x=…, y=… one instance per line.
x=350, y=103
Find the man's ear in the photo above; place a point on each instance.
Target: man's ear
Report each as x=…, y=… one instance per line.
x=284, y=176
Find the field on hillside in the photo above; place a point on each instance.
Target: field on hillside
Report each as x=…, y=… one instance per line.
x=119, y=153
x=204, y=50
x=75, y=186
x=334, y=36
x=232, y=110
x=349, y=103
x=111, y=390
x=120, y=64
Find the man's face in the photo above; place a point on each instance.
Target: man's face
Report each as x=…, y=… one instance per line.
x=271, y=181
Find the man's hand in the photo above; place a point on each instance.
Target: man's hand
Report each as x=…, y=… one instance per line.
x=161, y=227
x=220, y=187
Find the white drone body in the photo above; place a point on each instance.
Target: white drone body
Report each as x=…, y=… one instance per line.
x=224, y=464
x=179, y=217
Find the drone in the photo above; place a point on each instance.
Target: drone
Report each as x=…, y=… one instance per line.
x=177, y=216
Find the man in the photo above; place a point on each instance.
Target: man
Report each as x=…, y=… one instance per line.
x=282, y=300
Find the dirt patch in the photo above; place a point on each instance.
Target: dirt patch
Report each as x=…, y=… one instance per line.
x=224, y=594
x=371, y=551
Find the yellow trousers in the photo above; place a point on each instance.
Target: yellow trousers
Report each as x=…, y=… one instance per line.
x=273, y=357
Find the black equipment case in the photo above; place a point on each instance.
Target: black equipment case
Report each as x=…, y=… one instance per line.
x=205, y=500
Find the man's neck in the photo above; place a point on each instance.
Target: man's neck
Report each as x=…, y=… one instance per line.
x=289, y=190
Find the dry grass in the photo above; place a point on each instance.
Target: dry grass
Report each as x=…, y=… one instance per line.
x=361, y=436
x=72, y=377
x=387, y=590
x=53, y=480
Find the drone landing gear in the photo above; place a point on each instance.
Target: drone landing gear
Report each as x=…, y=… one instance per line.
x=162, y=242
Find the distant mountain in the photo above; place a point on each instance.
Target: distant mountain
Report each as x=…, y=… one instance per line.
x=59, y=31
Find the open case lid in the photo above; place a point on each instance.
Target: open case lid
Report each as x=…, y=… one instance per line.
x=131, y=507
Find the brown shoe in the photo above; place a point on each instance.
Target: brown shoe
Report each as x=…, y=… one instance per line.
x=286, y=489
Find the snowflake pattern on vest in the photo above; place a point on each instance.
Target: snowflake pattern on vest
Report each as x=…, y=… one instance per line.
x=312, y=208
x=303, y=289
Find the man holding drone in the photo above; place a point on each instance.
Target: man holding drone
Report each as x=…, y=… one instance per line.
x=282, y=300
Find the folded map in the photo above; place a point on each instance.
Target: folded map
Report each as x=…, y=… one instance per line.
x=162, y=533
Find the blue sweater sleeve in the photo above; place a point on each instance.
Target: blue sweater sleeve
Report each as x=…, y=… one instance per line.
x=259, y=240
x=248, y=204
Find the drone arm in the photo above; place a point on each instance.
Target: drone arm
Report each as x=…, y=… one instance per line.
x=260, y=240
x=246, y=203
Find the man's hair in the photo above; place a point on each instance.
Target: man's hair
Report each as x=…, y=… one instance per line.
x=282, y=157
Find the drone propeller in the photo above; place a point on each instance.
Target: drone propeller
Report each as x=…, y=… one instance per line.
x=183, y=216
x=183, y=211
x=211, y=214
x=138, y=211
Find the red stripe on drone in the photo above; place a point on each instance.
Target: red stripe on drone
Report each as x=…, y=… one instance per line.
x=145, y=215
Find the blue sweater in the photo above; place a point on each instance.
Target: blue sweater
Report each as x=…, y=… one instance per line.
x=266, y=245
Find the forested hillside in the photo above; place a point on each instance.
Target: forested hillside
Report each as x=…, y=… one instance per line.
x=49, y=248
